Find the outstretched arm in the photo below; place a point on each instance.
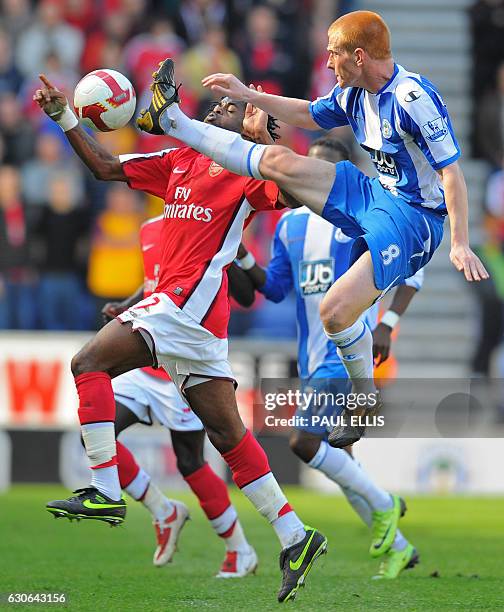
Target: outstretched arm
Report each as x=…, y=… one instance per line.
x=461, y=255
x=102, y=164
x=289, y=110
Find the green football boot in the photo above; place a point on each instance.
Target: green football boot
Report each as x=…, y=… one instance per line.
x=384, y=526
x=396, y=561
x=89, y=503
x=296, y=561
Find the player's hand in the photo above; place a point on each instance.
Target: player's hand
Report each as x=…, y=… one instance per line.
x=227, y=85
x=382, y=339
x=52, y=101
x=255, y=123
x=463, y=258
x=111, y=310
x=242, y=251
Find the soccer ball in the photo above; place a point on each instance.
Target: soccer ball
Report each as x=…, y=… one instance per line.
x=104, y=100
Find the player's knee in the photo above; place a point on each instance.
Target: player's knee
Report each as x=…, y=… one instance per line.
x=84, y=361
x=188, y=464
x=276, y=162
x=225, y=439
x=188, y=461
x=334, y=315
x=304, y=448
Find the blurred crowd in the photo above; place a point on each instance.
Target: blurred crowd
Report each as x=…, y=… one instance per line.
x=68, y=243
x=487, y=27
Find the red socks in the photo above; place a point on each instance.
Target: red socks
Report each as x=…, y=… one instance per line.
x=247, y=461
x=96, y=398
x=210, y=490
x=126, y=464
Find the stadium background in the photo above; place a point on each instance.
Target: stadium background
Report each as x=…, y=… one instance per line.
x=68, y=244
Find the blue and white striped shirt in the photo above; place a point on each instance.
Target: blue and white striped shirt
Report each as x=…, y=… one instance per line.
x=404, y=127
x=309, y=254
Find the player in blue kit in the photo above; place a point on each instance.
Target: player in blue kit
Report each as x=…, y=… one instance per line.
x=397, y=219
x=308, y=255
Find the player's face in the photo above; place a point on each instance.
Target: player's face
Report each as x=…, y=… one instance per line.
x=326, y=154
x=343, y=64
x=227, y=114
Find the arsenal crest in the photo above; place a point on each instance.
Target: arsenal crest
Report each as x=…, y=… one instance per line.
x=214, y=169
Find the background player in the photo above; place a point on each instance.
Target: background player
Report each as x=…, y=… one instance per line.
x=309, y=254
x=145, y=395
x=183, y=326
x=400, y=119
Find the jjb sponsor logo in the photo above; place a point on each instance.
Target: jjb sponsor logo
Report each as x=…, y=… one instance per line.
x=435, y=130
x=385, y=163
x=316, y=276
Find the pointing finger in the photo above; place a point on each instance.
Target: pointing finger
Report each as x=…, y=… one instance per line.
x=46, y=81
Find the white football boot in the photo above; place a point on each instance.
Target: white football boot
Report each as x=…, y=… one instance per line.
x=168, y=532
x=238, y=564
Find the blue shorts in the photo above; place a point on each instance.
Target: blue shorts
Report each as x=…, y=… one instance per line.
x=400, y=237
x=329, y=385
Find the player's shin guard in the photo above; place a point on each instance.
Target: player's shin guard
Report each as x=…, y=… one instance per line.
x=342, y=469
x=96, y=416
x=132, y=478
x=355, y=347
x=137, y=483
x=252, y=474
x=227, y=148
x=213, y=496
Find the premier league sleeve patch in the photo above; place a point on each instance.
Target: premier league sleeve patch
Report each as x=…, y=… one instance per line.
x=435, y=130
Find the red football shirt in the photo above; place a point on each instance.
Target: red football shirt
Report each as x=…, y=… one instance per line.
x=205, y=210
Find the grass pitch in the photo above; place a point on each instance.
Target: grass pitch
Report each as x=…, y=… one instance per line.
x=460, y=540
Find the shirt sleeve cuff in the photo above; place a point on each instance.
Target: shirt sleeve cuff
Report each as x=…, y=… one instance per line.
x=446, y=162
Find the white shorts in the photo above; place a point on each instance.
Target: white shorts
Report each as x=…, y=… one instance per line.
x=152, y=398
x=181, y=345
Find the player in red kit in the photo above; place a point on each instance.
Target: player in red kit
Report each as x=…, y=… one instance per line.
x=183, y=325
x=147, y=395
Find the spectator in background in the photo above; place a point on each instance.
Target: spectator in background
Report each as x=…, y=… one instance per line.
x=264, y=61
x=50, y=161
x=49, y=34
x=82, y=14
x=17, y=279
x=10, y=77
x=17, y=133
x=322, y=79
x=115, y=29
x=490, y=122
x=487, y=29
x=115, y=268
x=199, y=15
x=60, y=228
x=15, y=16
x=150, y=48
x=491, y=293
x=211, y=55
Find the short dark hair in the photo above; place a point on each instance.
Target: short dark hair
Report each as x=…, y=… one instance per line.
x=334, y=144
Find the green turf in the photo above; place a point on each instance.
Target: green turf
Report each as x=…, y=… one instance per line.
x=100, y=568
